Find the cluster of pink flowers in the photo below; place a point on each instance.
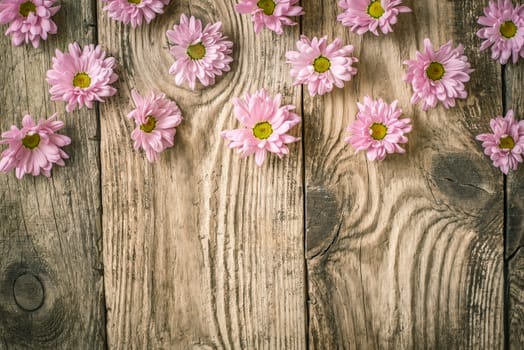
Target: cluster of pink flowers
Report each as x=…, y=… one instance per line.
x=78, y=77
x=84, y=75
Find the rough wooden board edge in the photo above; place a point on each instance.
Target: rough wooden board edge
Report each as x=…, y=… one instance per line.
x=50, y=250
x=514, y=99
x=482, y=271
x=214, y=259
x=516, y=301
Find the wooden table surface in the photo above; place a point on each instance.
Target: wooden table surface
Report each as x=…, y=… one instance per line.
x=320, y=250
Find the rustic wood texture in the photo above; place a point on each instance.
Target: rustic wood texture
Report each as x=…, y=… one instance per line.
x=406, y=253
x=514, y=98
x=320, y=250
x=203, y=250
x=51, y=272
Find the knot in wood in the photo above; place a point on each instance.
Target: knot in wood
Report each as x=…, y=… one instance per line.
x=28, y=292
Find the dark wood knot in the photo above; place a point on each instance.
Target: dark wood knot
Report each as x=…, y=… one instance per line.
x=28, y=292
x=322, y=223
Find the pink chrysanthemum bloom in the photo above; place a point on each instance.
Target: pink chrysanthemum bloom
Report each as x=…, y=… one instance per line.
x=200, y=53
x=506, y=144
x=156, y=118
x=35, y=148
x=438, y=75
x=266, y=124
x=378, y=129
x=370, y=15
x=272, y=14
x=81, y=76
x=134, y=11
x=29, y=20
x=504, y=30
x=320, y=65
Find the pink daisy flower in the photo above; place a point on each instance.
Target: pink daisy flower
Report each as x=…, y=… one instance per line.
x=506, y=144
x=81, y=76
x=35, y=148
x=156, y=118
x=504, y=30
x=320, y=65
x=29, y=20
x=200, y=53
x=370, y=15
x=438, y=75
x=266, y=124
x=378, y=129
x=134, y=11
x=272, y=14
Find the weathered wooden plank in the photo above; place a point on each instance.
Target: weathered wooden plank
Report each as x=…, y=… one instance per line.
x=514, y=75
x=516, y=297
x=51, y=284
x=406, y=253
x=202, y=250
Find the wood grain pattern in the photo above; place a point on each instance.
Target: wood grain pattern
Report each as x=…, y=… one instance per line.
x=51, y=284
x=202, y=250
x=514, y=75
x=406, y=253
x=516, y=297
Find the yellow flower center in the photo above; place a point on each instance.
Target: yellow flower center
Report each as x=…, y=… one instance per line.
x=31, y=141
x=134, y=1
x=82, y=80
x=321, y=64
x=435, y=71
x=26, y=8
x=375, y=9
x=378, y=131
x=267, y=5
x=262, y=130
x=506, y=142
x=149, y=125
x=508, y=29
x=197, y=51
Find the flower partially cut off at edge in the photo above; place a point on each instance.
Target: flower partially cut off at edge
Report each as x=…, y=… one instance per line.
x=134, y=11
x=320, y=65
x=35, y=148
x=505, y=144
x=81, y=76
x=29, y=20
x=503, y=30
x=156, y=119
x=370, y=15
x=271, y=14
x=438, y=75
x=265, y=126
x=377, y=129
x=200, y=53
